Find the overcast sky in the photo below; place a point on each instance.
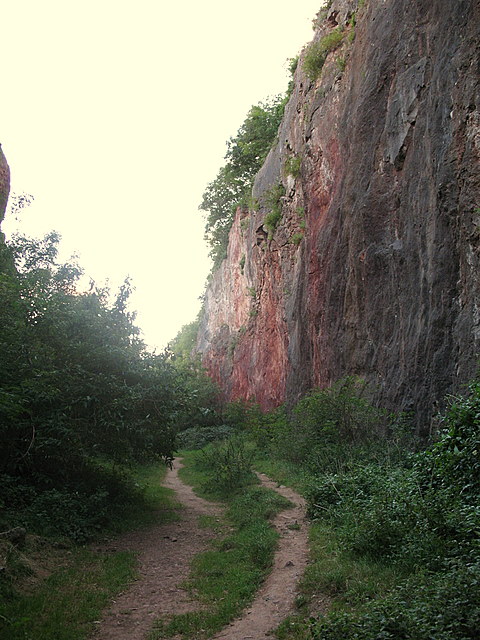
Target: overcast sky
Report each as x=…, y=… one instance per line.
x=114, y=116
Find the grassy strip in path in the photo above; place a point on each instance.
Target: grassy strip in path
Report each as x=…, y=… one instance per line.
x=81, y=582
x=226, y=577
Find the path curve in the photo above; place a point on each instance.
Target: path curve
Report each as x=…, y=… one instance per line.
x=276, y=598
x=165, y=552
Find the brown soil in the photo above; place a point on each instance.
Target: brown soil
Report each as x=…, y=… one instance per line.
x=276, y=598
x=165, y=553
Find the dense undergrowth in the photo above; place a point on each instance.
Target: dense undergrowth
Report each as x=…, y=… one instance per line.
x=224, y=579
x=82, y=401
x=84, y=407
x=52, y=591
x=395, y=521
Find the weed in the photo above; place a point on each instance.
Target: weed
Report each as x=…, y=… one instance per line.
x=317, y=52
x=296, y=238
x=198, y=437
x=242, y=264
x=273, y=200
x=70, y=600
x=292, y=166
x=228, y=466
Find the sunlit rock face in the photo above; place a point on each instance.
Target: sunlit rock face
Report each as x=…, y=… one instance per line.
x=4, y=184
x=373, y=269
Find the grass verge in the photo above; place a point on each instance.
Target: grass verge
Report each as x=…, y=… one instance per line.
x=66, y=604
x=157, y=506
x=225, y=578
x=55, y=593
x=334, y=579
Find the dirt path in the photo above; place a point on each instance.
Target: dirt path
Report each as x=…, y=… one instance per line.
x=276, y=598
x=165, y=553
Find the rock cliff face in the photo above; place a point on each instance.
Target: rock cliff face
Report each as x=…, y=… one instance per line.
x=4, y=186
x=373, y=268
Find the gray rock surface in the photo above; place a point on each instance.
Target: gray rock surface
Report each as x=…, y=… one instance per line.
x=384, y=282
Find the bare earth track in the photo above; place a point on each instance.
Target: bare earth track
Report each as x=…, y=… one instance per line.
x=165, y=552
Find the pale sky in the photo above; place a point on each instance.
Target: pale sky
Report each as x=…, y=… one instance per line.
x=115, y=115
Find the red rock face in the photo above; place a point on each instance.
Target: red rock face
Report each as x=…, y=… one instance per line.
x=384, y=282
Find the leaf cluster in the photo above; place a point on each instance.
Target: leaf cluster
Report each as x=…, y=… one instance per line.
x=231, y=188
x=80, y=397
x=390, y=508
x=317, y=52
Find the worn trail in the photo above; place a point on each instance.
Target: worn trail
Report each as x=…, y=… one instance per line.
x=165, y=553
x=276, y=598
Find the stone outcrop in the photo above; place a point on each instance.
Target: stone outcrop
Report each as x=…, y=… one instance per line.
x=374, y=267
x=4, y=184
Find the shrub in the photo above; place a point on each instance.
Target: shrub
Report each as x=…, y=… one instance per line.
x=273, y=200
x=317, y=52
x=296, y=238
x=198, y=437
x=293, y=165
x=228, y=465
x=443, y=606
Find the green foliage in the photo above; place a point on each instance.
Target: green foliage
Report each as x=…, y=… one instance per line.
x=66, y=606
x=292, y=64
x=441, y=606
x=225, y=578
x=242, y=264
x=317, y=52
x=80, y=397
x=324, y=427
x=293, y=166
x=199, y=437
x=232, y=186
x=296, y=238
x=395, y=525
x=199, y=399
x=228, y=466
x=416, y=514
x=273, y=201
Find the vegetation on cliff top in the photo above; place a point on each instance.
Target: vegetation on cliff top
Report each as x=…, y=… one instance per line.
x=231, y=188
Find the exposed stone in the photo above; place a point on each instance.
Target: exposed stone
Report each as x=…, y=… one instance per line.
x=384, y=283
x=4, y=184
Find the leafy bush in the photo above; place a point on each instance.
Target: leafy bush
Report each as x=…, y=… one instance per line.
x=443, y=606
x=293, y=166
x=273, y=200
x=232, y=187
x=228, y=465
x=77, y=387
x=421, y=517
x=296, y=238
x=317, y=52
x=198, y=437
x=328, y=427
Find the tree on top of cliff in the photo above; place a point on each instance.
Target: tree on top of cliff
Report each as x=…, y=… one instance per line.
x=232, y=186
